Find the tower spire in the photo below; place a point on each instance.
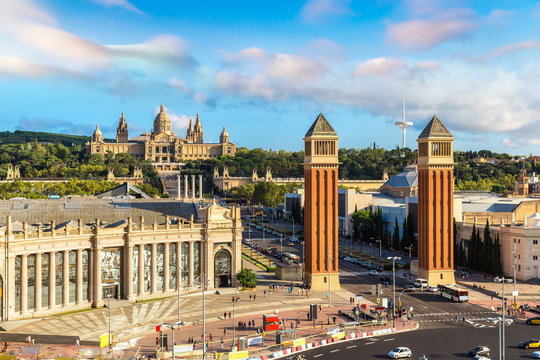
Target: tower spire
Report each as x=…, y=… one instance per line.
x=403, y=124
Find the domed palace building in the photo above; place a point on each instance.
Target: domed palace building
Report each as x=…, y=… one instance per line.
x=162, y=147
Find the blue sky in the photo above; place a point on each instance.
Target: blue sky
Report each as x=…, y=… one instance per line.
x=265, y=69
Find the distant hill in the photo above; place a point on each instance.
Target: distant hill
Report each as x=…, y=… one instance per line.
x=22, y=137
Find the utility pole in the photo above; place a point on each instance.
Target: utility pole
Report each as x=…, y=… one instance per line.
x=203, y=316
x=233, y=323
x=394, y=258
x=281, y=244
x=515, y=266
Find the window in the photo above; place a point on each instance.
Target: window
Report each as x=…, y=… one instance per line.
x=519, y=241
x=535, y=242
x=535, y=257
x=519, y=267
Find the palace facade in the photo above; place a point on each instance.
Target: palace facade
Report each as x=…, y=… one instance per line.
x=162, y=147
x=98, y=249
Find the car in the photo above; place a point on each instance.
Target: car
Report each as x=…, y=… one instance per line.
x=497, y=279
x=480, y=357
x=536, y=355
x=480, y=350
x=373, y=272
x=532, y=343
x=290, y=243
x=421, y=283
x=533, y=321
x=431, y=289
x=508, y=281
x=400, y=352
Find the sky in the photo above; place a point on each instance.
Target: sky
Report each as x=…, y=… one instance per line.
x=266, y=69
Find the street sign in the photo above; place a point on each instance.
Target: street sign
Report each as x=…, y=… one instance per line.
x=158, y=328
x=515, y=293
x=359, y=298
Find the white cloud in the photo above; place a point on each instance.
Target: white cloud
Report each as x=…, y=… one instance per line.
x=179, y=84
x=286, y=67
x=511, y=48
x=121, y=3
x=162, y=48
x=316, y=10
x=380, y=66
x=245, y=85
x=435, y=26
x=250, y=54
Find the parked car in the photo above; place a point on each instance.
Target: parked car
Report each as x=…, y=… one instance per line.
x=533, y=321
x=536, y=355
x=431, y=288
x=497, y=279
x=480, y=357
x=481, y=350
x=532, y=343
x=373, y=273
x=400, y=352
x=420, y=283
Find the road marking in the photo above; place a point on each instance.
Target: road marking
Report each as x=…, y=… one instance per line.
x=333, y=351
x=350, y=347
x=369, y=343
x=317, y=355
x=389, y=339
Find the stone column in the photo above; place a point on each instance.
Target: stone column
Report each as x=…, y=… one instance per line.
x=97, y=278
x=178, y=265
x=24, y=283
x=79, y=287
x=185, y=187
x=140, y=270
x=190, y=263
x=65, y=276
x=128, y=276
x=37, y=287
x=166, y=252
x=52, y=279
x=153, y=272
x=200, y=187
x=193, y=187
x=178, y=187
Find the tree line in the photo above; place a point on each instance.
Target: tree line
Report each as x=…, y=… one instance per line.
x=483, y=255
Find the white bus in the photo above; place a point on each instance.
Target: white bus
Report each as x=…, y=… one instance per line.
x=453, y=293
x=291, y=258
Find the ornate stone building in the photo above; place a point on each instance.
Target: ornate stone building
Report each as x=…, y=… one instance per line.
x=125, y=249
x=161, y=146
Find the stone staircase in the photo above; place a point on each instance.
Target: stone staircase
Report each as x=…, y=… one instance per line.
x=169, y=180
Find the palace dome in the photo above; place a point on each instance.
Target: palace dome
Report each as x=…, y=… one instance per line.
x=162, y=123
x=97, y=135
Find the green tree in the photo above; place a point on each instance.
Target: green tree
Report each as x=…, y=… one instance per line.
x=395, y=236
x=247, y=278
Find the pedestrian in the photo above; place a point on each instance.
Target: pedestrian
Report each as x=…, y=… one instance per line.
x=229, y=314
x=320, y=307
x=264, y=293
x=221, y=343
x=77, y=343
x=254, y=297
x=225, y=315
x=210, y=337
x=33, y=341
x=464, y=320
x=224, y=331
x=250, y=296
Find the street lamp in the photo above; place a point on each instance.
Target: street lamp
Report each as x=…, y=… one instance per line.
x=329, y=283
x=171, y=326
x=402, y=291
x=233, y=323
x=110, y=335
x=502, y=321
x=281, y=244
x=394, y=258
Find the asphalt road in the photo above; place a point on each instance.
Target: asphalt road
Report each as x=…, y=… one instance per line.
x=447, y=343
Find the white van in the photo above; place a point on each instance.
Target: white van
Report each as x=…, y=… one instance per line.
x=423, y=283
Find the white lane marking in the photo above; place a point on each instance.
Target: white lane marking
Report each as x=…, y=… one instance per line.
x=317, y=355
x=350, y=347
x=389, y=339
x=371, y=342
x=333, y=351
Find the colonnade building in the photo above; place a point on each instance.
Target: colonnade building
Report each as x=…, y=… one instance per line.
x=135, y=250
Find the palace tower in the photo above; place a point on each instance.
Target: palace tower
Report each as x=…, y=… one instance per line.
x=435, y=204
x=321, y=204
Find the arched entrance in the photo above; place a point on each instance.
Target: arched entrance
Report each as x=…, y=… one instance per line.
x=222, y=269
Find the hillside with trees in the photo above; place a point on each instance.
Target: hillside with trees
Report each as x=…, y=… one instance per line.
x=23, y=137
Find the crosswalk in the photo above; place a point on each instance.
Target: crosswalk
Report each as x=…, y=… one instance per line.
x=478, y=320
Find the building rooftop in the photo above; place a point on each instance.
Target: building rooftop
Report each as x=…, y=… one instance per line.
x=435, y=128
x=406, y=179
x=321, y=126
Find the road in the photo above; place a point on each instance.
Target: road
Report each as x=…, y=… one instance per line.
x=447, y=343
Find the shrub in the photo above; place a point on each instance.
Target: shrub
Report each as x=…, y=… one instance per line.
x=247, y=278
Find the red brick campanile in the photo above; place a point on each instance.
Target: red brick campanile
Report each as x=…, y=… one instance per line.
x=435, y=204
x=321, y=205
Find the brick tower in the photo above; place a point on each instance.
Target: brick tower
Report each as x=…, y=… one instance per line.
x=320, y=208
x=435, y=204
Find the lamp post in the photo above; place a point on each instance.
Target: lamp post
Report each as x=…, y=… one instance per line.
x=171, y=326
x=203, y=315
x=501, y=321
x=329, y=283
x=394, y=258
x=110, y=335
x=281, y=244
x=515, y=290
x=380, y=248
x=233, y=323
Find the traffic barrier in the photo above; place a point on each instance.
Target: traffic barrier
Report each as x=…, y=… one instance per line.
x=264, y=357
x=323, y=342
x=353, y=335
